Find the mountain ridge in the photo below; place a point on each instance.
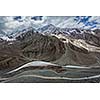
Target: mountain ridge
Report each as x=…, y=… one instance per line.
x=49, y=30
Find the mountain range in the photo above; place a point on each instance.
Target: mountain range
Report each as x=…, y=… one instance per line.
x=49, y=30
x=61, y=45
x=50, y=52
x=12, y=24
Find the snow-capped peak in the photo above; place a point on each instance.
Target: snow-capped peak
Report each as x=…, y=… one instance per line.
x=18, y=32
x=47, y=29
x=51, y=29
x=7, y=38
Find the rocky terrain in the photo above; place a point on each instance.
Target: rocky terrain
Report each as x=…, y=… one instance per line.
x=61, y=47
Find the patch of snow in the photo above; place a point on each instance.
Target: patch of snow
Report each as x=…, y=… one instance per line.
x=7, y=39
x=34, y=63
x=70, y=66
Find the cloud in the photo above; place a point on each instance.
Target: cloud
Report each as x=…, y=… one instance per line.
x=36, y=18
x=10, y=23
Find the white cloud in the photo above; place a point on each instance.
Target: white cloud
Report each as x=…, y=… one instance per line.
x=8, y=24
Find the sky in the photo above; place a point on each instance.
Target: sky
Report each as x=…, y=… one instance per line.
x=11, y=23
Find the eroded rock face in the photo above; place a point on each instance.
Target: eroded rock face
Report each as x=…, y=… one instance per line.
x=10, y=56
x=93, y=39
x=97, y=32
x=32, y=46
x=44, y=48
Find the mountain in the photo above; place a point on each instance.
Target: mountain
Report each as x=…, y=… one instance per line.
x=51, y=29
x=91, y=37
x=21, y=32
x=48, y=29
x=63, y=49
x=12, y=24
x=50, y=54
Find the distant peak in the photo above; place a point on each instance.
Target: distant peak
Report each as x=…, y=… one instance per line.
x=49, y=26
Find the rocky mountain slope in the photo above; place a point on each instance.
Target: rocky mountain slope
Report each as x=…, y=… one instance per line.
x=79, y=48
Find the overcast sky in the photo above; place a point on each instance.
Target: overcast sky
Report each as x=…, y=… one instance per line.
x=10, y=23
